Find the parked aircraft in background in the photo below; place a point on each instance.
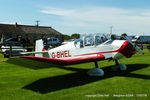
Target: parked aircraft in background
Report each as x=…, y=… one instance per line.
x=89, y=48
x=141, y=39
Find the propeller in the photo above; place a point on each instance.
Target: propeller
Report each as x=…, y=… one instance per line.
x=134, y=45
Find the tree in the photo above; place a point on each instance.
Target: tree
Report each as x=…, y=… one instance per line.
x=124, y=34
x=67, y=37
x=75, y=36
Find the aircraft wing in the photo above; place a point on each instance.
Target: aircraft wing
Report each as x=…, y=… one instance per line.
x=67, y=61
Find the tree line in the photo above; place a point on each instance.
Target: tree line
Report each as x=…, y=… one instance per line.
x=73, y=36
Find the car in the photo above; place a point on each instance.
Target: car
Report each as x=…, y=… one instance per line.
x=14, y=41
x=52, y=41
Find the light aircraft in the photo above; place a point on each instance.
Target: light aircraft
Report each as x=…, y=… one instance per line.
x=89, y=48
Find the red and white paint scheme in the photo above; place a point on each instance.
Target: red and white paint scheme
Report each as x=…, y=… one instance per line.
x=90, y=48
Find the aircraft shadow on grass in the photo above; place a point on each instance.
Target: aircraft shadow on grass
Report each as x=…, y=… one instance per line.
x=79, y=78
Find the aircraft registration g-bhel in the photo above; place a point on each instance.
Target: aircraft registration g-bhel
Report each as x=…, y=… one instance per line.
x=90, y=48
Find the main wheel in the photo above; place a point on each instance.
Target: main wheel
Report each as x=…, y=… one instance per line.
x=96, y=72
x=121, y=67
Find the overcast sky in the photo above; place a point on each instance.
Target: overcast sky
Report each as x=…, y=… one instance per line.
x=80, y=16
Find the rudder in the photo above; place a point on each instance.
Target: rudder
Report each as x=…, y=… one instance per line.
x=39, y=47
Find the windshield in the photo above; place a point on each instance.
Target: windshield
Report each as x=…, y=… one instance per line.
x=90, y=40
x=11, y=39
x=54, y=39
x=78, y=43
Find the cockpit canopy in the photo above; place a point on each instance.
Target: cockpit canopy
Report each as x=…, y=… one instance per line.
x=90, y=40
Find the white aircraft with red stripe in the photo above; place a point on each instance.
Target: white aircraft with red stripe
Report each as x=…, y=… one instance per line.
x=90, y=48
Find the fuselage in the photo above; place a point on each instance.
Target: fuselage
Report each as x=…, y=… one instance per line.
x=110, y=49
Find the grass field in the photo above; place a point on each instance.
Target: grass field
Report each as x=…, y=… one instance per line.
x=23, y=79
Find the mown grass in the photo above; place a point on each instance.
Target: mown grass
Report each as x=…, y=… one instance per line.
x=23, y=79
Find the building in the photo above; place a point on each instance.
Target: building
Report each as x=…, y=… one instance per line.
x=28, y=31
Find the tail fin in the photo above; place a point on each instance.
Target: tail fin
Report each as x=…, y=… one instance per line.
x=39, y=47
x=39, y=50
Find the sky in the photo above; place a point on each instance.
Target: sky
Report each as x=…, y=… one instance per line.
x=80, y=16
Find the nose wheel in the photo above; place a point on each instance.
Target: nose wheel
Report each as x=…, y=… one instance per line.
x=118, y=66
x=96, y=71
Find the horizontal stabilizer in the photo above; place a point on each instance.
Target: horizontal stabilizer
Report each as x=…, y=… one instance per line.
x=38, y=52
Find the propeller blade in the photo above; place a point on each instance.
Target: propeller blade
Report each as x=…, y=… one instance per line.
x=134, y=45
x=139, y=50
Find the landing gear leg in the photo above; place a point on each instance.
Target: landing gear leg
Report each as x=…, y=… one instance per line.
x=96, y=71
x=118, y=66
x=117, y=63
